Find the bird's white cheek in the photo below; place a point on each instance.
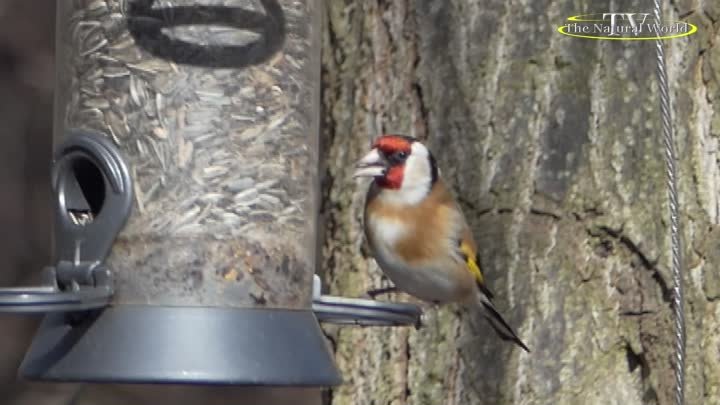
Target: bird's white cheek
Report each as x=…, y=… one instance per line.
x=417, y=179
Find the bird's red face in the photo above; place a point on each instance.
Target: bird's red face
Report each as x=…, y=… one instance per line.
x=386, y=162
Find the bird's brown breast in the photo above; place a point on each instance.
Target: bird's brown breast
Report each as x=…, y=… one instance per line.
x=428, y=225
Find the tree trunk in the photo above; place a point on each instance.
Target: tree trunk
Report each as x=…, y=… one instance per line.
x=554, y=147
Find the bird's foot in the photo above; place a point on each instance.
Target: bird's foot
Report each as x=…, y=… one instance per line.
x=419, y=322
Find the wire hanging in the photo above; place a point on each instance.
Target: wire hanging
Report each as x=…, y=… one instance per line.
x=675, y=244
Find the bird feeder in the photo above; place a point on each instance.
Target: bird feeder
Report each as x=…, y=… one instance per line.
x=186, y=189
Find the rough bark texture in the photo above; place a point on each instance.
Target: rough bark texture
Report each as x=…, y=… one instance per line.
x=553, y=145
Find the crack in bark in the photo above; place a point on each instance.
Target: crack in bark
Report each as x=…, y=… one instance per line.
x=545, y=213
x=588, y=214
x=642, y=317
x=645, y=261
x=636, y=360
x=687, y=14
x=641, y=312
x=709, y=17
x=645, y=371
x=424, y=115
x=407, y=391
x=454, y=371
x=473, y=207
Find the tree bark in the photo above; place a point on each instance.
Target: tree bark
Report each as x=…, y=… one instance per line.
x=553, y=146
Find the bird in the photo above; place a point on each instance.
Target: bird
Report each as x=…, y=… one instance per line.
x=417, y=232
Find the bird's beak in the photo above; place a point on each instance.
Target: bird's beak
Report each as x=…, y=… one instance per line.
x=371, y=165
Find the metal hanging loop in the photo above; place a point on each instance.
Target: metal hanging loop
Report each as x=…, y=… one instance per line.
x=93, y=191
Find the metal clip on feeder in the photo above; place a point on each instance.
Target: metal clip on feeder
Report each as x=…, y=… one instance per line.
x=94, y=198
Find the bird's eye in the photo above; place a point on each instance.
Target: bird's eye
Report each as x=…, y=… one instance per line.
x=402, y=155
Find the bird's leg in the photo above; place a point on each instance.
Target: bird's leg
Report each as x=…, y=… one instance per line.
x=379, y=291
x=419, y=322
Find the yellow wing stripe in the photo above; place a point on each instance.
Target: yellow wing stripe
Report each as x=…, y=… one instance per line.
x=472, y=266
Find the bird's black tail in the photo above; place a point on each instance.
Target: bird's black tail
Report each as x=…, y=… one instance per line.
x=498, y=323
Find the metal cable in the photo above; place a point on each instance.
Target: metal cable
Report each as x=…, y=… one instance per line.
x=675, y=245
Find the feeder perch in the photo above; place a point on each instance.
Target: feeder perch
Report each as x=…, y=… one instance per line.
x=186, y=188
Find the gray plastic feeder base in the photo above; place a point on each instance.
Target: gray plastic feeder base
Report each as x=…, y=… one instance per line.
x=179, y=345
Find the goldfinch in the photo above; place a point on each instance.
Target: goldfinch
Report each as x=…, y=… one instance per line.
x=418, y=234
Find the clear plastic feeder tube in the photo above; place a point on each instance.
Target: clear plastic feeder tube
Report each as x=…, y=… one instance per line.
x=214, y=106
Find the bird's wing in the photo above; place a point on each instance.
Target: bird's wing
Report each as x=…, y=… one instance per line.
x=468, y=251
x=466, y=247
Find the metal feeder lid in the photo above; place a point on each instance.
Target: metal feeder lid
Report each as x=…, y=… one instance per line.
x=183, y=345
